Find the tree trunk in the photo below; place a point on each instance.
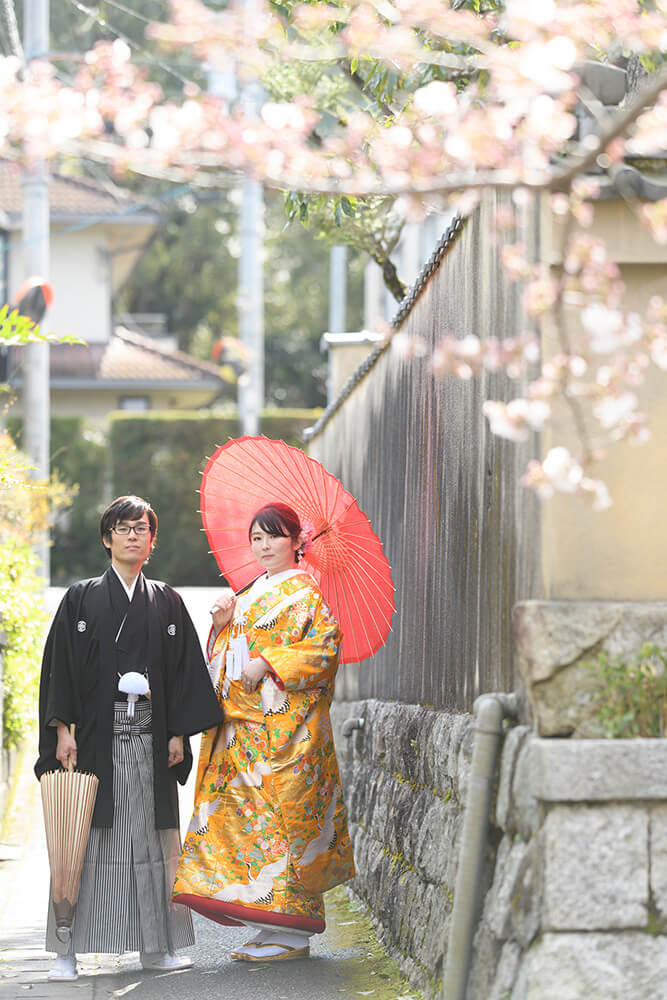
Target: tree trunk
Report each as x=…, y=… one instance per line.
x=390, y=276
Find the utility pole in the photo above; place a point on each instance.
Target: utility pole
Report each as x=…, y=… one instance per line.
x=250, y=298
x=337, y=289
x=251, y=267
x=251, y=305
x=36, y=392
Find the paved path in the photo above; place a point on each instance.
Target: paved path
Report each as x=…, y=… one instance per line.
x=346, y=961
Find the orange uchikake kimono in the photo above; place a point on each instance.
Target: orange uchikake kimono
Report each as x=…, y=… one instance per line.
x=269, y=831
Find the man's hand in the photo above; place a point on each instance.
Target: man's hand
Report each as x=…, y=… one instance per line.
x=223, y=609
x=175, y=750
x=66, y=747
x=252, y=674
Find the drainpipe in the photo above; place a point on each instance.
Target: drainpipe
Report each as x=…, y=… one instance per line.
x=490, y=710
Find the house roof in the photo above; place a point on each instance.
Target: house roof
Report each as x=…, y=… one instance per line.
x=129, y=361
x=73, y=198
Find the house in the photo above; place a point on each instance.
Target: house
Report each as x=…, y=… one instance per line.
x=98, y=232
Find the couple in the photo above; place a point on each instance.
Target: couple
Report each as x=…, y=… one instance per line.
x=268, y=835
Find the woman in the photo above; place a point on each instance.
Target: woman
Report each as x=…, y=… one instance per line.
x=269, y=831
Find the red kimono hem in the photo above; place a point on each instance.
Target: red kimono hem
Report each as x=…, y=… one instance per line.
x=234, y=914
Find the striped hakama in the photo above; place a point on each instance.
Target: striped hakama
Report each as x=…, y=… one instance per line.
x=125, y=896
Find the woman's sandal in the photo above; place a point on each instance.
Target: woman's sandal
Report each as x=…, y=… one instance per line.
x=288, y=952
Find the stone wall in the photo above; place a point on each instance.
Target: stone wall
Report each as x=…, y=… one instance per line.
x=578, y=905
x=575, y=884
x=405, y=775
x=574, y=893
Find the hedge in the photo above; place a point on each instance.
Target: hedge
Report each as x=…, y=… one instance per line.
x=161, y=456
x=157, y=455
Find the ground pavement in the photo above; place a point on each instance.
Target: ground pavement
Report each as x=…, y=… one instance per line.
x=346, y=961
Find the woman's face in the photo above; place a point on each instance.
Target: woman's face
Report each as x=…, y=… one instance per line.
x=276, y=553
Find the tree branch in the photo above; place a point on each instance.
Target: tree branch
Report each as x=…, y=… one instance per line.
x=390, y=276
x=577, y=162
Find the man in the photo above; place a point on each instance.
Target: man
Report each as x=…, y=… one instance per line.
x=105, y=628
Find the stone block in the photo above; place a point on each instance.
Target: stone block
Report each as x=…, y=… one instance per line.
x=630, y=966
x=595, y=867
x=436, y=836
x=658, y=863
x=513, y=742
x=597, y=770
x=555, y=639
x=506, y=972
x=527, y=811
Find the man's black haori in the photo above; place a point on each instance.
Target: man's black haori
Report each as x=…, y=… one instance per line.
x=79, y=683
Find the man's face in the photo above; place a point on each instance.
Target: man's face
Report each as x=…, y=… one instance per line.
x=132, y=547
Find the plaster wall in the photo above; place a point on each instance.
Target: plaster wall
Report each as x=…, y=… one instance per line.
x=81, y=279
x=618, y=554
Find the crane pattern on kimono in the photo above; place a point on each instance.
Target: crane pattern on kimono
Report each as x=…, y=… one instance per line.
x=327, y=837
x=257, y=890
x=230, y=735
x=301, y=734
x=199, y=822
x=274, y=701
x=253, y=776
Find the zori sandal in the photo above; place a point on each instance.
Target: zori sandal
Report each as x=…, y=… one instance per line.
x=254, y=951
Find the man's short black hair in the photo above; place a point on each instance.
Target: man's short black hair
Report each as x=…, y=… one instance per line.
x=126, y=509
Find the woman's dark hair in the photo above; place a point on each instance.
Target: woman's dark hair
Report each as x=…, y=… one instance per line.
x=126, y=509
x=277, y=519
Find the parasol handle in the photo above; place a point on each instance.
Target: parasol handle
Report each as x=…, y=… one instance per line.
x=70, y=765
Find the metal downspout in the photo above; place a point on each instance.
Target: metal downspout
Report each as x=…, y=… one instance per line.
x=490, y=710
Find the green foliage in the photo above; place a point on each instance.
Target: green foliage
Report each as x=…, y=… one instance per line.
x=17, y=329
x=160, y=456
x=22, y=507
x=157, y=455
x=190, y=272
x=22, y=621
x=79, y=460
x=79, y=457
x=633, y=700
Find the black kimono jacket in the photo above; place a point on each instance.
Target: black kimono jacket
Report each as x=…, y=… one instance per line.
x=79, y=684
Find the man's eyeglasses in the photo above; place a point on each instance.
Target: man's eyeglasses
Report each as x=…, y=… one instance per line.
x=139, y=529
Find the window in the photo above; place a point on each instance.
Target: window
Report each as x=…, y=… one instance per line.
x=135, y=403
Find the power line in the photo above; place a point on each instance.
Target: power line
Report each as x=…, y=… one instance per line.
x=95, y=220
x=89, y=12
x=128, y=10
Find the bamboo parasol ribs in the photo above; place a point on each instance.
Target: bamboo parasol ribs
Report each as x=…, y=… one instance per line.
x=68, y=800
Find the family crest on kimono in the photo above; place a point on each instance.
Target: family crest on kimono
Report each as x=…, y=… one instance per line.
x=269, y=831
x=106, y=628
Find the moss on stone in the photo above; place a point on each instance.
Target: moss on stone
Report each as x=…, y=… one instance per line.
x=371, y=971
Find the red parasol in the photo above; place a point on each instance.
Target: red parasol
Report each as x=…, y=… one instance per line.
x=345, y=556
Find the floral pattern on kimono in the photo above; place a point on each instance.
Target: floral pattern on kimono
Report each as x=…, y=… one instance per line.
x=269, y=829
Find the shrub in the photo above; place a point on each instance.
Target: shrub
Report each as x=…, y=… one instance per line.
x=633, y=699
x=24, y=507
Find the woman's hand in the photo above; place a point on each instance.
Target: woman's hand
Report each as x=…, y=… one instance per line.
x=253, y=673
x=66, y=746
x=175, y=750
x=223, y=609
